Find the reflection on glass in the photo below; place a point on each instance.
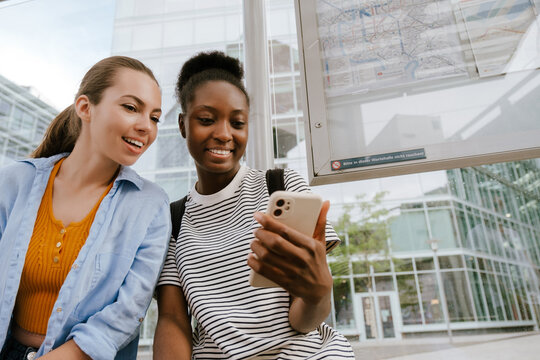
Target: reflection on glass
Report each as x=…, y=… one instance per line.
x=370, y=319
x=408, y=299
x=442, y=228
x=431, y=303
x=381, y=266
x=520, y=291
x=282, y=96
x=457, y=296
x=424, y=263
x=363, y=284
x=360, y=267
x=409, y=231
x=478, y=295
x=405, y=264
x=498, y=301
x=491, y=300
x=509, y=299
x=387, y=318
x=451, y=262
x=343, y=306
x=384, y=283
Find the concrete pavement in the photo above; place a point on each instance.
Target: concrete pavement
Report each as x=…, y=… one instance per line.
x=502, y=346
x=521, y=346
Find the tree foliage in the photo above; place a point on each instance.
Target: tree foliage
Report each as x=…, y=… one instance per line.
x=364, y=232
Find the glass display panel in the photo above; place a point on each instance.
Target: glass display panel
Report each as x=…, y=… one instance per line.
x=411, y=86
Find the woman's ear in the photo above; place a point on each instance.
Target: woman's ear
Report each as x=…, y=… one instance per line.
x=182, y=125
x=82, y=108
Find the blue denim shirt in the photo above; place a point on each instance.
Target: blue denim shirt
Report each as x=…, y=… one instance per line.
x=109, y=287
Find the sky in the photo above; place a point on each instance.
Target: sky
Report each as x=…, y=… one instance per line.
x=50, y=44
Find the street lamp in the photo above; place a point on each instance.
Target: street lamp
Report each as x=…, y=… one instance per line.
x=435, y=246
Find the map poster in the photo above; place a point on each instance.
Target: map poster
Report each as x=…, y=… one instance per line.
x=368, y=45
x=496, y=30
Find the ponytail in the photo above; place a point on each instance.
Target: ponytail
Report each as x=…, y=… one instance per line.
x=61, y=134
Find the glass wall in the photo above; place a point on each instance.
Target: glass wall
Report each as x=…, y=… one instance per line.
x=23, y=120
x=485, y=229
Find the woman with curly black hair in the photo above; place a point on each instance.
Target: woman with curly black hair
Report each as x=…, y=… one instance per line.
x=208, y=265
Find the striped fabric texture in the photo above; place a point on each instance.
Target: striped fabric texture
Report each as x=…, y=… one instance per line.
x=208, y=261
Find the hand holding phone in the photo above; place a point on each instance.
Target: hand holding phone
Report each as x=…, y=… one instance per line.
x=299, y=211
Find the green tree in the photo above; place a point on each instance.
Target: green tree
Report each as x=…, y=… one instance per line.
x=364, y=231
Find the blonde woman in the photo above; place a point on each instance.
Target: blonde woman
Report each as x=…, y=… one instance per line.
x=83, y=237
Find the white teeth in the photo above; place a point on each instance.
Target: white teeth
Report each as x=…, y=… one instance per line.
x=133, y=141
x=220, y=152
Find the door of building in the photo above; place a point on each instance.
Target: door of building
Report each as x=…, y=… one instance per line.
x=377, y=315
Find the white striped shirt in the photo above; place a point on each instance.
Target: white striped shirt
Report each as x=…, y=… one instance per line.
x=235, y=320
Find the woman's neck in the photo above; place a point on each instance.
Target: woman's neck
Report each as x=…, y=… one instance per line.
x=211, y=183
x=84, y=169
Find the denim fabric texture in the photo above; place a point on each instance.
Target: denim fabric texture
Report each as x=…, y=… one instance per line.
x=14, y=350
x=105, y=296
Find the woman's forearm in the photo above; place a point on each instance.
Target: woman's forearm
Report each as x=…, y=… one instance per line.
x=67, y=351
x=171, y=341
x=305, y=317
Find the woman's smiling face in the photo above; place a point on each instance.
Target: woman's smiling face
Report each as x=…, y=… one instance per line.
x=215, y=126
x=124, y=123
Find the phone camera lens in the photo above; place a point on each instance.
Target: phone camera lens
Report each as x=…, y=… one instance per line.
x=277, y=212
x=280, y=202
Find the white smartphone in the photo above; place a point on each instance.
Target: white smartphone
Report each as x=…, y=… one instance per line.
x=297, y=210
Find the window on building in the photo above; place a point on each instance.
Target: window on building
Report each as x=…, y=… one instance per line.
x=457, y=296
x=442, y=228
x=431, y=301
x=5, y=107
x=343, y=304
x=408, y=299
x=409, y=231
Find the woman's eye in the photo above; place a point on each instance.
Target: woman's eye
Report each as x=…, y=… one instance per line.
x=129, y=107
x=205, y=120
x=155, y=119
x=238, y=123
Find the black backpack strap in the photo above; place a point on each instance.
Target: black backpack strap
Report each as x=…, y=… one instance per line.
x=178, y=208
x=275, y=180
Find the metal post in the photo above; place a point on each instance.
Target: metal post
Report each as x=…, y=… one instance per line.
x=260, y=154
x=442, y=292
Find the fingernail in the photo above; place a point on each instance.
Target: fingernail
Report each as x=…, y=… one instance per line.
x=258, y=216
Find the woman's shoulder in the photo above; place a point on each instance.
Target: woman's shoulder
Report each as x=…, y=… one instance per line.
x=151, y=190
x=144, y=188
x=17, y=171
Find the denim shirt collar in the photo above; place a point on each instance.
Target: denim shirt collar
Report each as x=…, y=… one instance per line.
x=125, y=174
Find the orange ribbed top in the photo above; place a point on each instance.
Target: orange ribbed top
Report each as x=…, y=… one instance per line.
x=52, y=250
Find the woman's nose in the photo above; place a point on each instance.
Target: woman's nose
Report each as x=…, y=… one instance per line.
x=222, y=131
x=144, y=124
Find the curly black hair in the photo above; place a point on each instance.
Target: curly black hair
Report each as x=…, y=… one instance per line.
x=204, y=67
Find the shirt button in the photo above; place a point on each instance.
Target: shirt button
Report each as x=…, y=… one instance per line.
x=58, y=244
x=31, y=355
x=75, y=266
x=63, y=231
x=55, y=259
x=59, y=310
